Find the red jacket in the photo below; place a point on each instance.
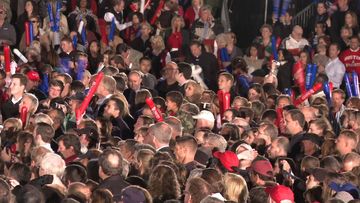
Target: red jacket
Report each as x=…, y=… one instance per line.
x=189, y=17
x=174, y=41
x=351, y=60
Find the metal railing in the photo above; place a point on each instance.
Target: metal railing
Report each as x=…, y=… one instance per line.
x=302, y=18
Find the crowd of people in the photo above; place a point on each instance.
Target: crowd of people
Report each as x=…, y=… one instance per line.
x=152, y=101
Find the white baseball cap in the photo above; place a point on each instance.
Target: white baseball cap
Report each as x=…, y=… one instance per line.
x=205, y=115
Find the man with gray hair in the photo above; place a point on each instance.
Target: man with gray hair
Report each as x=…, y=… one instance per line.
x=29, y=101
x=213, y=141
x=176, y=127
x=53, y=164
x=105, y=90
x=205, y=119
x=295, y=42
x=159, y=136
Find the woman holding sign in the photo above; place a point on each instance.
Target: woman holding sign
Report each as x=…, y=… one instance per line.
x=55, y=22
x=284, y=73
x=34, y=26
x=31, y=9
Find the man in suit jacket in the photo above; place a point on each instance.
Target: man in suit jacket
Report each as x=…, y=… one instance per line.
x=114, y=110
x=159, y=136
x=105, y=90
x=110, y=171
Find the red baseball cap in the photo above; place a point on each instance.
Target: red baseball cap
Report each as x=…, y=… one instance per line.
x=33, y=75
x=262, y=167
x=228, y=159
x=279, y=193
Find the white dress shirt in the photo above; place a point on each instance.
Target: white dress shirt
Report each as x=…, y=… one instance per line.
x=335, y=71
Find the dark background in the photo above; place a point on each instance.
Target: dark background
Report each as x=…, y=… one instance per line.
x=248, y=15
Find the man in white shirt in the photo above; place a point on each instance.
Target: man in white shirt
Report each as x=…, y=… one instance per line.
x=17, y=87
x=335, y=69
x=295, y=42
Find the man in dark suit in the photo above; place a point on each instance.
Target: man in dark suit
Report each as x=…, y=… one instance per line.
x=110, y=171
x=206, y=61
x=105, y=90
x=159, y=136
x=114, y=110
x=295, y=123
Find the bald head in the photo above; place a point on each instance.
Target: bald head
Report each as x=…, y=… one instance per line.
x=110, y=162
x=297, y=32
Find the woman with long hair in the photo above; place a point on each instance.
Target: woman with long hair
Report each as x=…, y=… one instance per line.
x=94, y=56
x=235, y=188
x=253, y=58
x=177, y=38
x=143, y=161
x=20, y=150
x=31, y=9
x=36, y=23
x=134, y=30
x=105, y=128
x=63, y=24
x=241, y=76
x=320, y=126
x=256, y=92
x=157, y=55
x=163, y=184
x=284, y=71
x=351, y=21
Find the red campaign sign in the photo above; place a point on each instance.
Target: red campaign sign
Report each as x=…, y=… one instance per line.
x=23, y=115
x=80, y=111
x=303, y=97
x=155, y=111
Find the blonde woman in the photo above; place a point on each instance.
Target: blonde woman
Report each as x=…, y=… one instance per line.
x=177, y=38
x=157, y=55
x=193, y=91
x=239, y=102
x=351, y=21
x=13, y=124
x=235, y=188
